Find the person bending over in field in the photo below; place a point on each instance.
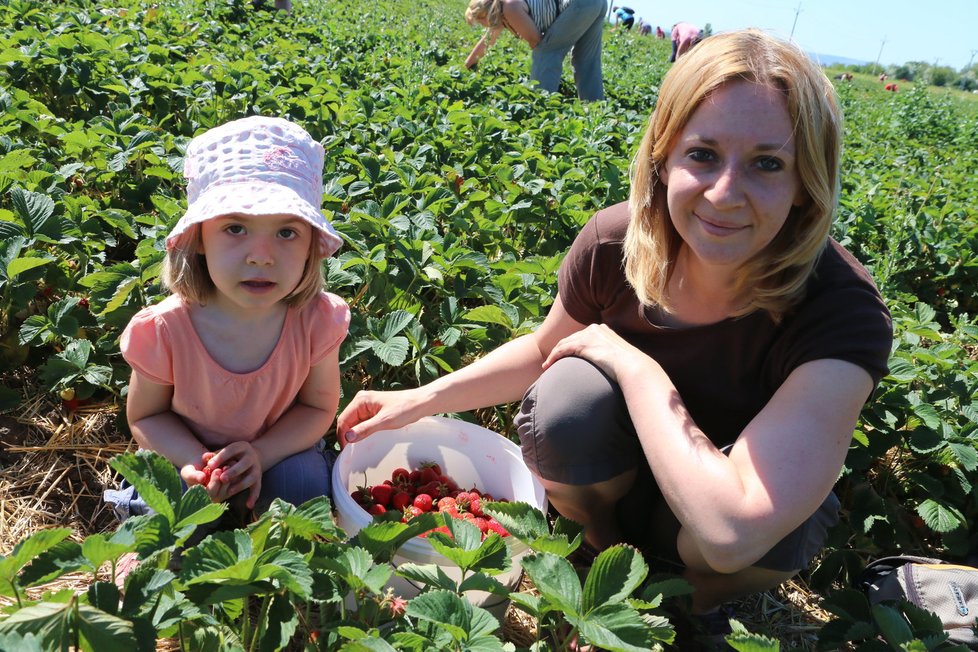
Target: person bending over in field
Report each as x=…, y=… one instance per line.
x=236, y=375
x=552, y=28
x=696, y=383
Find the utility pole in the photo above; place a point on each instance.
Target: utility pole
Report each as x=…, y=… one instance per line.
x=797, y=11
x=973, y=53
x=879, y=55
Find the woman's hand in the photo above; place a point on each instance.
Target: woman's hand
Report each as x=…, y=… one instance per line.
x=602, y=347
x=370, y=411
x=240, y=469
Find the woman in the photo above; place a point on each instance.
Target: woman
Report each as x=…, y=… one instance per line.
x=552, y=28
x=695, y=385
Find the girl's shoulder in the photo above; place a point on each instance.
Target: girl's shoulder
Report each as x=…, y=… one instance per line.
x=169, y=310
x=326, y=312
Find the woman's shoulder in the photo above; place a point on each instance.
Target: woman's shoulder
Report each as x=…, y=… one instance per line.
x=837, y=267
x=609, y=225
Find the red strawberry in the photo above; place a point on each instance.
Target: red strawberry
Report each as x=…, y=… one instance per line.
x=446, y=503
x=400, y=500
x=475, y=504
x=400, y=475
x=497, y=527
x=376, y=509
x=382, y=493
x=411, y=511
x=482, y=524
x=428, y=475
x=423, y=502
x=207, y=475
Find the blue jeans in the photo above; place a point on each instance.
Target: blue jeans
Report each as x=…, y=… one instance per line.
x=578, y=30
x=295, y=479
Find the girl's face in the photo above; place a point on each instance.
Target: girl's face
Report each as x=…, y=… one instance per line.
x=731, y=177
x=255, y=261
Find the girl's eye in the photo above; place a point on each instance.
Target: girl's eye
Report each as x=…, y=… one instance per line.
x=288, y=234
x=770, y=164
x=234, y=229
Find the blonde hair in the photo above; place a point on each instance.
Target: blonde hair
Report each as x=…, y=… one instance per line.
x=774, y=279
x=185, y=273
x=489, y=10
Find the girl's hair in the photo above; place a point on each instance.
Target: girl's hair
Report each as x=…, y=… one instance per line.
x=774, y=279
x=490, y=10
x=185, y=273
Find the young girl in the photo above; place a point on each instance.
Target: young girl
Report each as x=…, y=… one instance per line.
x=236, y=375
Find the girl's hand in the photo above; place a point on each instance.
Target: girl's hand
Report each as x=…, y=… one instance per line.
x=234, y=468
x=369, y=412
x=193, y=475
x=602, y=347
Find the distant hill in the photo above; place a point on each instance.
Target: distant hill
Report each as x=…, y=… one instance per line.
x=831, y=59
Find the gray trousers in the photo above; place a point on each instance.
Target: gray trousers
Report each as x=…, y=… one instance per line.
x=574, y=428
x=578, y=30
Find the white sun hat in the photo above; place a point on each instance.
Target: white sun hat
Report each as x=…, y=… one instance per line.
x=255, y=166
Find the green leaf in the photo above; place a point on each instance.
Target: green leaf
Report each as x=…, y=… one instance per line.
x=940, y=517
x=50, y=622
x=453, y=614
x=18, y=266
x=431, y=575
x=743, y=641
x=36, y=211
x=556, y=580
x=98, y=550
x=965, y=454
x=617, y=571
x=393, y=351
x=892, y=624
x=102, y=631
x=614, y=627
x=928, y=414
x=279, y=626
x=25, y=552
x=489, y=315
x=467, y=550
x=155, y=479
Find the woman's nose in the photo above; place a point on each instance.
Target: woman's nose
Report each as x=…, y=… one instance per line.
x=727, y=190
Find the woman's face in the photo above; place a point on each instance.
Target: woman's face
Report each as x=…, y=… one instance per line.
x=731, y=178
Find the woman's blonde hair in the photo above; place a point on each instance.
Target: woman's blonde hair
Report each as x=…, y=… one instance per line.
x=185, y=273
x=774, y=279
x=490, y=10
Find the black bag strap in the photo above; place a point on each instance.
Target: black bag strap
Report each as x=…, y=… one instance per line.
x=887, y=565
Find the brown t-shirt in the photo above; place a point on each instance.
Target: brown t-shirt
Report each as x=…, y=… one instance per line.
x=727, y=371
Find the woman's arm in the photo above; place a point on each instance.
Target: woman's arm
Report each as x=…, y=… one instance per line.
x=518, y=20
x=479, y=51
x=735, y=507
x=501, y=376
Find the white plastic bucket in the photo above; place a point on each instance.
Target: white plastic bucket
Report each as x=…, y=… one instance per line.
x=472, y=455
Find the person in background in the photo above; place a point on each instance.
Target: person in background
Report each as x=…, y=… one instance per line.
x=625, y=15
x=675, y=396
x=684, y=36
x=552, y=29
x=659, y=33
x=644, y=28
x=235, y=375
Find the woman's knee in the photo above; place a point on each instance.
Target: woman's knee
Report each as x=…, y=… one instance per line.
x=574, y=425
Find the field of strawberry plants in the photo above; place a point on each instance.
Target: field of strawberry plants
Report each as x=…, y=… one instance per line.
x=457, y=194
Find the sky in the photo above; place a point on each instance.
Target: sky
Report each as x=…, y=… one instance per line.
x=941, y=32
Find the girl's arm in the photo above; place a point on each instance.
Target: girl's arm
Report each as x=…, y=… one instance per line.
x=501, y=376
x=155, y=427
x=778, y=472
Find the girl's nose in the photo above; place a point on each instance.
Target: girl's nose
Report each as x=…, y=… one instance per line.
x=259, y=253
x=727, y=189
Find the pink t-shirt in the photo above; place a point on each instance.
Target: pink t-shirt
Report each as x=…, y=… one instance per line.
x=684, y=32
x=218, y=405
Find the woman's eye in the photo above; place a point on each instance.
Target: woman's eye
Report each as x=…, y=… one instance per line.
x=770, y=164
x=701, y=155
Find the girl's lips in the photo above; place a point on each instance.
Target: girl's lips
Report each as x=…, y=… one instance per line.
x=258, y=285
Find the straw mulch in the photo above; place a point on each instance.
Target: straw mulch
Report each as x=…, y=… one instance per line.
x=54, y=467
